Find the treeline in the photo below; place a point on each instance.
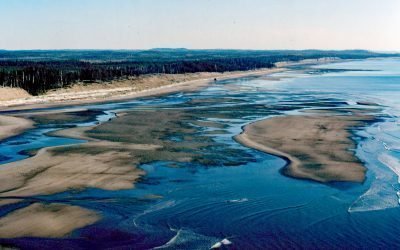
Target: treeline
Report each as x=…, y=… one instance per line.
x=39, y=77
x=37, y=73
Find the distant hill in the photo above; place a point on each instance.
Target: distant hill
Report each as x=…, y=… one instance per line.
x=171, y=54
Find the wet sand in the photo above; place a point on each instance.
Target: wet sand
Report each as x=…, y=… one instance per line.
x=97, y=163
x=107, y=161
x=11, y=126
x=40, y=220
x=316, y=146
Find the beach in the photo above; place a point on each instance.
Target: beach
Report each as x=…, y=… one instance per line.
x=142, y=86
x=135, y=87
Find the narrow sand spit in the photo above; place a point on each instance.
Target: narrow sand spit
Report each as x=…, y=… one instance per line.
x=317, y=147
x=11, y=126
x=39, y=220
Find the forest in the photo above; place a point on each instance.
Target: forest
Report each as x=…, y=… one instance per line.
x=38, y=71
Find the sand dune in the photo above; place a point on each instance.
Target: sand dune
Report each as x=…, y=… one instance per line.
x=7, y=94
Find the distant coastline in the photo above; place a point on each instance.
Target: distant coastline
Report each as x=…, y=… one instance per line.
x=141, y=86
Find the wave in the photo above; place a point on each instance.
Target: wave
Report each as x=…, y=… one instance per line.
x=187, y=239
x=155, y=208
x=381, y=193
x=238, y=200
x=378, y=197
x=391, y=162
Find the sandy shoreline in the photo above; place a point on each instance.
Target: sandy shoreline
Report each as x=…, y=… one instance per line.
x=316, y=146
x=12, y=126
x=142, y=86
x=151, y=85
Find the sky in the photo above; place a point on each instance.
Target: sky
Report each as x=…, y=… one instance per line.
x=200, y=24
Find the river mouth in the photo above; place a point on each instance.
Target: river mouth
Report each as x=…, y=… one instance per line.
x=202, y=186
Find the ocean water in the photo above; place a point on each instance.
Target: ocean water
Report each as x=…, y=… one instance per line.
x=251, y=204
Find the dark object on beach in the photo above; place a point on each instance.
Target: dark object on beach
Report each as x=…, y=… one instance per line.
x=215, y=79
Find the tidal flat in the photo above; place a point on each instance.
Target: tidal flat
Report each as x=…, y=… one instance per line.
x=109, y=159
x=166, y=171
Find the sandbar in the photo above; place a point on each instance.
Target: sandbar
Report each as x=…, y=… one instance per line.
x=45, y=220
x=316, y=146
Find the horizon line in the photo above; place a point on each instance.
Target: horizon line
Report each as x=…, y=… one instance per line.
x=183, y=48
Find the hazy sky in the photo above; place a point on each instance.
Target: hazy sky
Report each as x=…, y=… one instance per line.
x=242, y=24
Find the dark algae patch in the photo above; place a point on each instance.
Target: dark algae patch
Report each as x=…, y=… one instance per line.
x=66, y=117
x=157, y=128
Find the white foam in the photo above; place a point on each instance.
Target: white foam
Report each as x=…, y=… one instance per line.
x=216, y=245
x=381, y=195
x=154, y=208
x=220, y=243
x=187, y=239
x=351, y=102
x=391, y=162
x=226, y=242
x=171, y=241
x=378, y=197
x=238, y=200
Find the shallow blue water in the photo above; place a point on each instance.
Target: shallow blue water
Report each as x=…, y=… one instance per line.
x=252, y=204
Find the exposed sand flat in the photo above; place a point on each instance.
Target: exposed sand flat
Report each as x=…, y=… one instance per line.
x=39, y=220
x=49, y=172
x=11, y=126
x=146, y=85
x=317, y=147
x=98, y=164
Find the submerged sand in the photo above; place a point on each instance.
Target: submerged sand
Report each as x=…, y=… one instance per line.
x=317, y=146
